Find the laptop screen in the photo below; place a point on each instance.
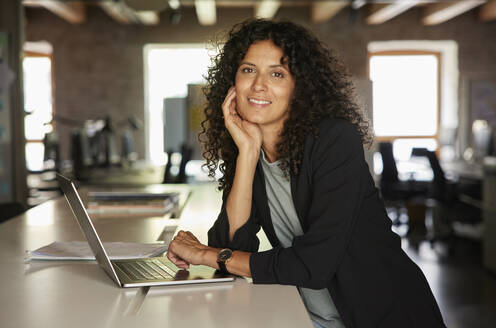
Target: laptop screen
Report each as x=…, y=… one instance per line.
x=86, y=226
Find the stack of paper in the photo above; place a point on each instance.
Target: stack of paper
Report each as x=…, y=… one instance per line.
x=80, y=250
x=129, y=202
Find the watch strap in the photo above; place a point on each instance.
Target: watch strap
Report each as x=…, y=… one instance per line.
x=222, y=266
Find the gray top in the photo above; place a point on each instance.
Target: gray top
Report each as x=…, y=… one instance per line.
x=287, y=226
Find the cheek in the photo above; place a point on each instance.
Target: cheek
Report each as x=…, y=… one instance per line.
x=241, y=89
x=237, y=88
x=291, y=90
x=238, y=102
x=240, y=84
x=286, y=93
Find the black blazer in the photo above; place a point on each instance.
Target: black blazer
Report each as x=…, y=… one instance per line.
x=347, y=246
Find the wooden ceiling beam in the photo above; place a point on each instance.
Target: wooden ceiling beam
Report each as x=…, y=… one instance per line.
x=148, y=17
x=323, y=11
x=441, y=12
x=381, y=13
x=267, y=8
x=206, y=12
x=488, y=11
x=73, y=12
x=357, y=4
x=119, y=12
x=123, y=14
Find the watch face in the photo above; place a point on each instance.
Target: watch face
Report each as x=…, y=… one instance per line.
x=224, y=254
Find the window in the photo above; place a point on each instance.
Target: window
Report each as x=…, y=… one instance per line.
x=37, y=73
x=168, y=71
x=406, y=99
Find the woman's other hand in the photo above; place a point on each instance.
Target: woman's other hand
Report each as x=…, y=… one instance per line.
x=246, y=135
x=185, y=249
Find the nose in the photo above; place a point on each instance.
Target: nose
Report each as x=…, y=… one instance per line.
x=259, y=83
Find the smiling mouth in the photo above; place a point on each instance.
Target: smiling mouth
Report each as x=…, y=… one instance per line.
x=259, y=102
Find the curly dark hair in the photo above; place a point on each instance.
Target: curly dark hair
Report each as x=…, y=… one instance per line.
x=322, y=89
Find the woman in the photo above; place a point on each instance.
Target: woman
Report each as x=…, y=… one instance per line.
x=281, y=118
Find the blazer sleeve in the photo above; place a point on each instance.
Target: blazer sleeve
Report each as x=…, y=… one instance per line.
x=244, y=239
x=337, y=165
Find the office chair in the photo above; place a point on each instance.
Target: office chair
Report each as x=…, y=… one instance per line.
x=395, y=193
x=186, y=153
x=168, y=178
x=451, y=203
x=391, y=187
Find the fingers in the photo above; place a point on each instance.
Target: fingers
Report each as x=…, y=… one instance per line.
x=186, y=236
x=232, y=120
x=229, y=104
x=183, y=249
x=180, y=263
x=189, y=235
x=174, y=248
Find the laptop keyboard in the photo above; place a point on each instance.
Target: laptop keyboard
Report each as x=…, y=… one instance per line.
x=146, y=270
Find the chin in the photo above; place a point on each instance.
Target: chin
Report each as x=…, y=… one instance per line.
x=255, y=119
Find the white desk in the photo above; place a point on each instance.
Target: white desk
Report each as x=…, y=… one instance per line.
x=80, y=294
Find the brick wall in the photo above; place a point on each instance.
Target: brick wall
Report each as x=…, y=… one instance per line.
x=98, y=65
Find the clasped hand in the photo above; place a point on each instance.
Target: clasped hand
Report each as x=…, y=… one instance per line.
x=186, y=249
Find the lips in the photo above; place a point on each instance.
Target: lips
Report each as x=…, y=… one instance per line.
x=259, y=101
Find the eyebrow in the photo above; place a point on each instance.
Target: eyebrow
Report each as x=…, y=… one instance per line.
x=272, y=66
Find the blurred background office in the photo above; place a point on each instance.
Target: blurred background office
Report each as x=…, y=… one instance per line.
x=109, y=92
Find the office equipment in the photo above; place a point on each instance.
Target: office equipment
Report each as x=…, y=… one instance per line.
x=128, y=151
x=175, y=123
x=140, y=173
x=131, y=196
x=481, y=139
x=131, y=202
x=134, y=272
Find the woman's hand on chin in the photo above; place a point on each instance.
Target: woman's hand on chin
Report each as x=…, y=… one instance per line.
x=246, y=135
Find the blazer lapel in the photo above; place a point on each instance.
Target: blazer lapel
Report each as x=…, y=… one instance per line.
x=300, y=199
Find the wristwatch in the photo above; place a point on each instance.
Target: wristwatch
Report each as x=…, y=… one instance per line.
x=222, y=258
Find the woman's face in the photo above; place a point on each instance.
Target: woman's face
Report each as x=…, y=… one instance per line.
x=264, y=86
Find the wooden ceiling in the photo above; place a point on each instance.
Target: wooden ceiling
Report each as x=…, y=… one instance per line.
x=146, y=12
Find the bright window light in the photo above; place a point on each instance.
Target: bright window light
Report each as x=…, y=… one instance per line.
x=168, y=71
x=37, y=96
x=37, y=79
x=402, y=148
x=34, y=156
x=409, y=167
x=405, y=94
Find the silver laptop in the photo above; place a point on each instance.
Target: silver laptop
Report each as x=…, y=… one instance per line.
x=153, y=271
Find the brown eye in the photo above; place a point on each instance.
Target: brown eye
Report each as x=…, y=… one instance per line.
x=247, y=70
x=278, y=74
